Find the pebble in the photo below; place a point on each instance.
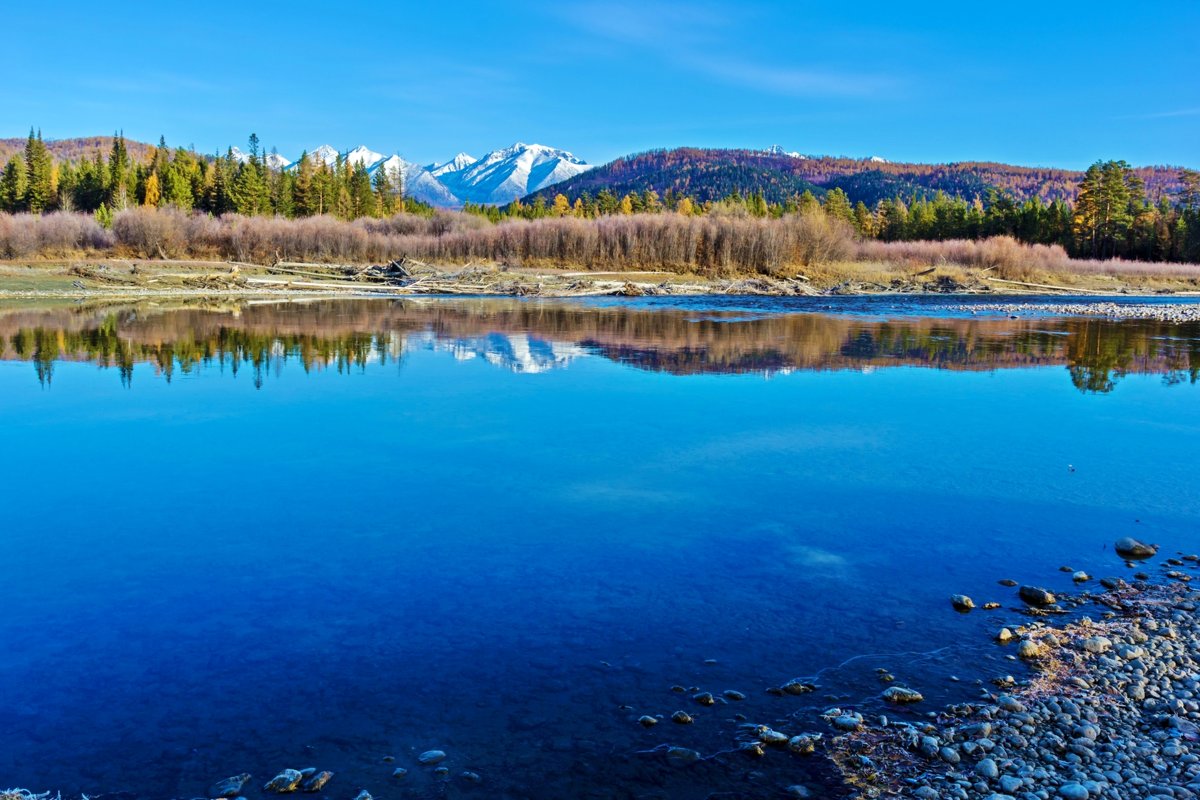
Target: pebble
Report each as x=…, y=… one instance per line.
x=1073, y=791
x=647, y=721
x=962, y=603
x=431, y=757
x=901, y=695
x=399, y=772
x=682, y=718
x=284, y=782
x=733, y=694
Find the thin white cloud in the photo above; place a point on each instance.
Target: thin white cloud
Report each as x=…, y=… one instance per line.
x=1162, y=115
x=694, y=37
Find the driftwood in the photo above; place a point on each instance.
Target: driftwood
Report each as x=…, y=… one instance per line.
x=1070, y=289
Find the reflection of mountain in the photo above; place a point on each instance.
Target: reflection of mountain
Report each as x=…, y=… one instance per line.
x=518, y=352
x=535, y=337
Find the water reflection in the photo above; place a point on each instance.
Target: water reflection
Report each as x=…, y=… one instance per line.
x=536, y=337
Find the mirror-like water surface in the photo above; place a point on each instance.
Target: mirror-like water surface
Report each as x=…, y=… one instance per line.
x=244, y=538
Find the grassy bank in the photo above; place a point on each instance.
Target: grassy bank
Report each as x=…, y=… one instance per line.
x=165, y=250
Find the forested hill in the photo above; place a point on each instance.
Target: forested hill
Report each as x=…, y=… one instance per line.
x=710, y=175
x=78, y=148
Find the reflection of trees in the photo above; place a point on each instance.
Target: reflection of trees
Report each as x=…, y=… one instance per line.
x=345, y=335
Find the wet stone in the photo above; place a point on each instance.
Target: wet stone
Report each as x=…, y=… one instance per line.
x=1128, y=547
x=900, y=695
x=229, y=787
x=316, y=782
x=734, y=695
x=400, y=772
x=1036, y=595
x=431, y=757
x=681, y=718
x=284, y=782
x=705, y=698
x=647, y=721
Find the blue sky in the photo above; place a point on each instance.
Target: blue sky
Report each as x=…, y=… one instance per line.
x=1051, y=83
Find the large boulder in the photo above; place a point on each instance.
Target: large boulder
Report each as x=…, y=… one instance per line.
x=1128, y=547
x=1036, y=596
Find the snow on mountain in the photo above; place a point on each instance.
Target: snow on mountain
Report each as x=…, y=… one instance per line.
x=499, y=177
x=276, y=161
x=777, y=150
x=416, y=181
x=362, y=156
x=324, y=153
x=502, y=176
x=877, y=160
x=272, y=160
x=456, y=164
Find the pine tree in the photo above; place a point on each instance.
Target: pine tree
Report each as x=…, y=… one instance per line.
x=302, y=189
x=39, y=175
x=12, y=185
x=837, y=205
x=118, y=174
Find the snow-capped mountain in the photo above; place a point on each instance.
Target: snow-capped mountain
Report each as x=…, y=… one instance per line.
x=415, y=181
x=877, y=160
x=777, y=150
x=456, y=164
x=504, y=175
x=499, y=177
x=362, y=156
x=272, y=160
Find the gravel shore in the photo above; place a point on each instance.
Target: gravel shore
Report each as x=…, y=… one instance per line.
x=1111, y=710
x=1163, y=312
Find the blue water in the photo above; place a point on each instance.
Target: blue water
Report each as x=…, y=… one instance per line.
x=507, y=530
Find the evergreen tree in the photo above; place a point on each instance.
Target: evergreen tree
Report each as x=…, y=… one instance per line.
x=12, y=185
x=118, y=174
x=39, y=175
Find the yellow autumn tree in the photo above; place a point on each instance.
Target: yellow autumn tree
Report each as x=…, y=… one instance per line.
x=562, y=206
x=626, y=205
x=686, y=207
x=578, y=208
x=153, y=192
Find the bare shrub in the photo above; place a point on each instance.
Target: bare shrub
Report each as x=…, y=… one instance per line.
x=59, y=234
x=152, y=233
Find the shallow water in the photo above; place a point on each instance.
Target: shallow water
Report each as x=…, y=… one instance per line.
x=244, y=538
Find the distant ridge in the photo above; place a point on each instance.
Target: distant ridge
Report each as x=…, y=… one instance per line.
x=712, y=174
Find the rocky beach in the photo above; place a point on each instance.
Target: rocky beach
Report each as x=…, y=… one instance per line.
x=1110, y=709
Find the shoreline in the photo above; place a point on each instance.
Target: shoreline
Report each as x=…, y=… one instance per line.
x=131, y=279
x=1110, y=709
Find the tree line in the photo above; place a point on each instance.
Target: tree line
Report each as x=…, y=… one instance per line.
x=1111, y=216
x=179, y=178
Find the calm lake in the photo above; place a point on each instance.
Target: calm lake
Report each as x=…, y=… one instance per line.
x=337, y=534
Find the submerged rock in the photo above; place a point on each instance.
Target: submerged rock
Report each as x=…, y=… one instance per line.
x=363, y=795
x=471, y=777
x=804, y=744
x=732, y=694
x=647, y=721
x=1081, y=577
x=316, y=782
x=681, y=756
x=230, y=787
x=772, y=737
x=961, y=602
x=400, y=772
x=1128, y=547
x=284, y=782
x=704, y=698
x=431, y=757
x=1036, y=596
x=682, y=718
x=797, y=687
x=900, y=695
